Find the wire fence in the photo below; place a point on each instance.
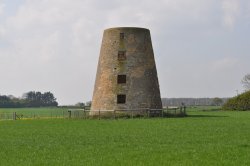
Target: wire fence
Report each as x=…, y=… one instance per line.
x=32, y=115
x=97, y=114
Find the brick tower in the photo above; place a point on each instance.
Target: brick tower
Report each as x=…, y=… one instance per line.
x=126, y=75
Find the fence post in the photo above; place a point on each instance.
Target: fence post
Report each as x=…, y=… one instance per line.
x=99, y=113
x=162, y=112
x=69, y=113
x=14, y=115
x=114, y=114
x=84, y=114
x=148, y=110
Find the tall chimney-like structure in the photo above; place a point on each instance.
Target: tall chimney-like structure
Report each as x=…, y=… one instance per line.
x=126, y=76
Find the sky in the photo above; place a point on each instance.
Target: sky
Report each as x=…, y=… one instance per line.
x=201, y=47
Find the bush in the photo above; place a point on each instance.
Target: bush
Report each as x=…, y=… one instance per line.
x=240, y=102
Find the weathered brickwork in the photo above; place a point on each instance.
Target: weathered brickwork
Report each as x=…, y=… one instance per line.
x=126, y=51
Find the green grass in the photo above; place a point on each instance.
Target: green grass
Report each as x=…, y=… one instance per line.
x=203, y=138
x=41, y=110
x=6, y=113
x=204, y=108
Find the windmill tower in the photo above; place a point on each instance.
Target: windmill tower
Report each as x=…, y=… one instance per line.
x=126, y=75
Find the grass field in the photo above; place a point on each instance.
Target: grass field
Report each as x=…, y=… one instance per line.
x=203, y=138
x=6, y=113
x=33, y=110
x=59, y=112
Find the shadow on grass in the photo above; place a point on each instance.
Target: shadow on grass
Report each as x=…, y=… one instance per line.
x=206, y=116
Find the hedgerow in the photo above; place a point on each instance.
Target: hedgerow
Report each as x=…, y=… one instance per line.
x=240, y=102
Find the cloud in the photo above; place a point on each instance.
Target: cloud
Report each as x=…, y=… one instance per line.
x=1, y=8
x=231, y=11
x=2, y=31
x=224, y=64
x=52, y=42
x=54, y=45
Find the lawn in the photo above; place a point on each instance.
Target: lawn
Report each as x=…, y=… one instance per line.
x=203, y=138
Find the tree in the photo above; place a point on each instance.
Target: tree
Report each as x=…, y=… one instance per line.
x=80, y=105
x=48, y=99
x=5, y=101
x=11, y=102
x=217, y=101
x=33, y=98
x=29, y=99
x=238, y=103
x=88, y=104
x=38, y=99
x=246, y=82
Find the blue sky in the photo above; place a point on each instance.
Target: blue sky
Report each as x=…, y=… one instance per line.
x=201, y=46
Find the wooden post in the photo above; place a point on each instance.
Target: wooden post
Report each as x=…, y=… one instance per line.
x=69, y=114
x=148, y=111
x=14, y=115
x=99, y=115
x=162, y=112
x=114, y=114
x=84, y=114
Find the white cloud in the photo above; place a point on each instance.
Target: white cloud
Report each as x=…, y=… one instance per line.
x=2, y=31
x=224, y=64
x=248, y=10
x=53, y=40
x=231, y=9
x=54, y=45
x=1, y=8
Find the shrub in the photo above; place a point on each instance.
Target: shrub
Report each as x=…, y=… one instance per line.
x=240, y=102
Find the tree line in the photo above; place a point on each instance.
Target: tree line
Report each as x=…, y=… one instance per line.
x=193, y=101
x=241, y=102
x=238, y=103
x=29, y=99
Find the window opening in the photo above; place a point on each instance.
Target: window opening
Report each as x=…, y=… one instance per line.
x=121, y=36
x=121, y=79
x=121, y=99
x=121, y=55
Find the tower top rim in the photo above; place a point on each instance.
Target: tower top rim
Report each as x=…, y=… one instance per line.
x=126, y=28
